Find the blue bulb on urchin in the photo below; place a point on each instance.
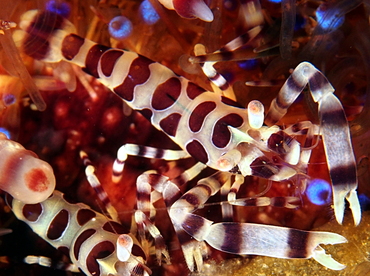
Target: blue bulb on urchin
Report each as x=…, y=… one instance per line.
x=319, y=191
x=329, y=21
x=148, y=13
x=120, y=27
x=58, y=7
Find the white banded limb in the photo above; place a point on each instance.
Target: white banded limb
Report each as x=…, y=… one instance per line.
x=193, y=230
x=142, y=151
x=258, y=200
x=225, y=53
x=310, y=130
x=290, y=202
x=96, y=185
x=334, y=130
x=273, y=241
x=216, y=78
x=48, y=262
x=151, y=186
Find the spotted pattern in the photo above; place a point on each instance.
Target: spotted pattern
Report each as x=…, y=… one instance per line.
x=93, y=237
x=58, y=225
x=147, y=113
x=138, y=74
x=80, y=240
x=193, y=90
x=85, y=215
x=100, y=251
x=166, y=94
x=138, y=251
x=221, y=135
x=230, y=102
x=109, y=59
x=196, y=149
x=170, y=123
x=92, y=59
x=32, y=212
x=198, y=115
x=115, y=228
x=71, y=45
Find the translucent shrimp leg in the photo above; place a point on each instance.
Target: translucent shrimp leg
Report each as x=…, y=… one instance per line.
x=243, y=238
x=334, y=130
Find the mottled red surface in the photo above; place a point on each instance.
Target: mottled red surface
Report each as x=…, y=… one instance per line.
x=36, y=180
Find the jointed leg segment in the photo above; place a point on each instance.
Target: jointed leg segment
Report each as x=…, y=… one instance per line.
x=333, y=128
